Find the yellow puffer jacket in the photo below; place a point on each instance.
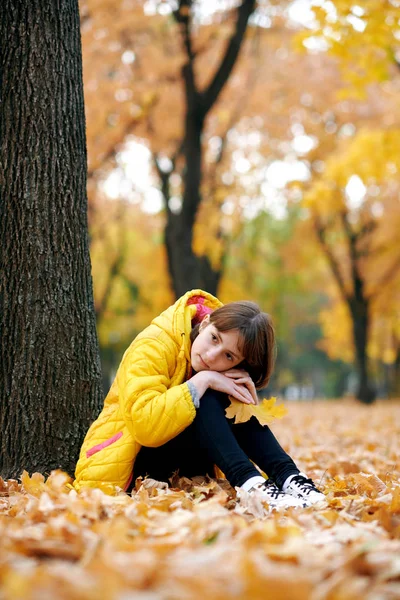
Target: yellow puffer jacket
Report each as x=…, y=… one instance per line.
x=149, y=402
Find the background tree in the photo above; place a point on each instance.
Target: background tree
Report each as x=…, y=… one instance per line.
x=170, y=109
x=359, y=187
x=187, y=269
x=50, y=381
x=353, y=203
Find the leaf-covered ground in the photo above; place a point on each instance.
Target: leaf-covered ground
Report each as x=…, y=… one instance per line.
x=195, y=541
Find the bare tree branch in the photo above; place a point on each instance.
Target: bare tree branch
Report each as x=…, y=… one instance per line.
x=333, y=263
x=183, y=17
x=210, y=95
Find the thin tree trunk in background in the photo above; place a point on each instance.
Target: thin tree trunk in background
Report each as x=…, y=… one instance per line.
x=366, y=391
x=394, y=378
x=396, y=382
x=359, y=305
x=50, y=380
x=357, y=302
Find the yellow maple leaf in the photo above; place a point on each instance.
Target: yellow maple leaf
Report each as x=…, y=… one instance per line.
x=265, y=412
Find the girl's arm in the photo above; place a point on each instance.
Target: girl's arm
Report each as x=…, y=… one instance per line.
x=155, y=408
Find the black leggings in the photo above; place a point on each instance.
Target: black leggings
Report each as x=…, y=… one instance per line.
x=212, y=439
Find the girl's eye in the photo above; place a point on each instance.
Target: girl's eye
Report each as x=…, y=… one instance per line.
x=229, y=356
x=214, y=337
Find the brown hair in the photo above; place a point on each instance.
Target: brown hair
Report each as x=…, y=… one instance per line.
x=256, y=333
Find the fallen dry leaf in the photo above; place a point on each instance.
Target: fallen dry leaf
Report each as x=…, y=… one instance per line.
x=265, y=412
x=195, y=540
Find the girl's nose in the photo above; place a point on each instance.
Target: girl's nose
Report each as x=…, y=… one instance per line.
x=211, y=355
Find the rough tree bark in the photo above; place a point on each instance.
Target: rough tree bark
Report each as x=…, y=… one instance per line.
x=50, y=379
x=187, y=270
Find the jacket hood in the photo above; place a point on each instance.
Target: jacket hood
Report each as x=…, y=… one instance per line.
x=177, y=319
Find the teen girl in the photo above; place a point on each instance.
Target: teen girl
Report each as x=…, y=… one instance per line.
x=166, y=408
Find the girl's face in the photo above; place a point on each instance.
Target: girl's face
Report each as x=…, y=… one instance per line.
x=215, y=350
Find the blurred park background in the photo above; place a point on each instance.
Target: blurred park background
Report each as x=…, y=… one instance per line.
x=251, y=149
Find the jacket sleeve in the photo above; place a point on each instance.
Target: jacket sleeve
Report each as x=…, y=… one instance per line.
x=154, y=411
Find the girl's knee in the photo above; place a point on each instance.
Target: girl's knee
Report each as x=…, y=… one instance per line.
x=213, y=401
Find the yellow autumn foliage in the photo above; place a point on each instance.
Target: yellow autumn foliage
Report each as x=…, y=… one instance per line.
x=371, y=155
x=336, y=325
x=362, y=37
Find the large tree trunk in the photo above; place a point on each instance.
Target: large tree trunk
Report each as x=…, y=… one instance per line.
x=50, y=380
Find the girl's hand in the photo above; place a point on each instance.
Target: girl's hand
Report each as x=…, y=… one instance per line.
x=221, y=383
x=243, y=378
x=236, y=386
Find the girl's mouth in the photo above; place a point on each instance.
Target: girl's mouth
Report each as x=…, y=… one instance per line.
x=204, y=363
